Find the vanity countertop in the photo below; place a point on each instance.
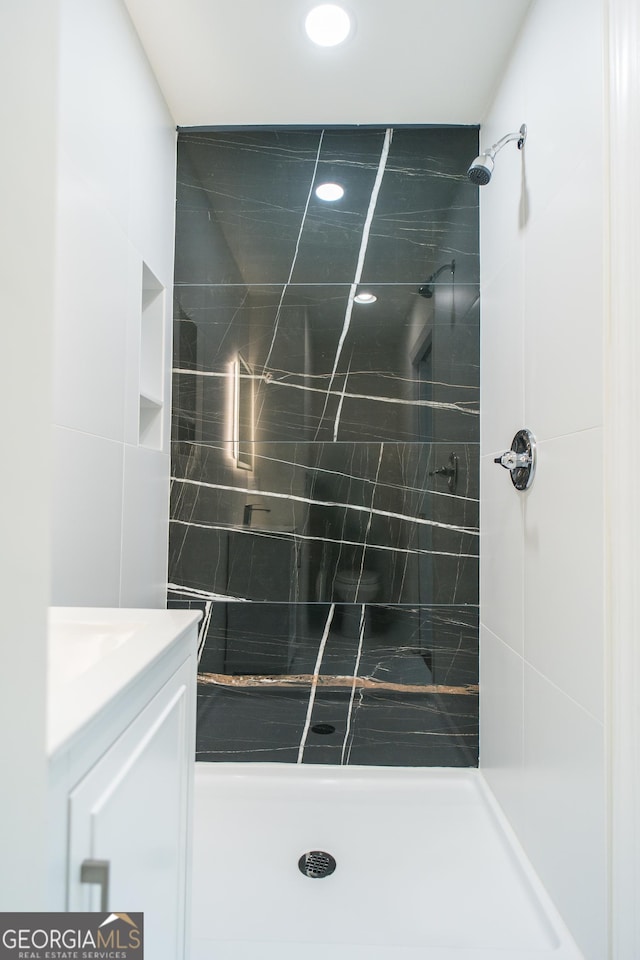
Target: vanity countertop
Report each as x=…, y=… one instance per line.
x=95, y=653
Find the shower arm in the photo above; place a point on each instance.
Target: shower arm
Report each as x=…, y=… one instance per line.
x=426, y=290
x=451, y=267
x=520, y=136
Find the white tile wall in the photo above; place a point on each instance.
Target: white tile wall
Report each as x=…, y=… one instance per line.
x=542, y=571
x=561, y=51
x=565, y=807
x=28, y=67
x=87, y=518
x=94, y=308
x=95, y=102
x=502, y=308
x=564, y=296
x=145, y=519
x=116, y=211
x=502, y=580
x=501, y=723
x=564, y=567
x=152, y=175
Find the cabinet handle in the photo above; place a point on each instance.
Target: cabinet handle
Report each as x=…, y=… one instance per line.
x=97, y=871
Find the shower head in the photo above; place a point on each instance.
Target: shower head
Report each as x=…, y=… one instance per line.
x=427, y=289
x=482, y=167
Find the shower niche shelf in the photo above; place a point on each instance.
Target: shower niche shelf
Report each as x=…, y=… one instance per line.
x=151, y=385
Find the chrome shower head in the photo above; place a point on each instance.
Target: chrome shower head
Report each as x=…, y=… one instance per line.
x=481, y=169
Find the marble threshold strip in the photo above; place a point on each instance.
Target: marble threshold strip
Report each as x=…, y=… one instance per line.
x=329, y=682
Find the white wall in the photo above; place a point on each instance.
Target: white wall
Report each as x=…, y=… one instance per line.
x=623, y=517
x=27, y=172
x=115, y=210
x=542, y=579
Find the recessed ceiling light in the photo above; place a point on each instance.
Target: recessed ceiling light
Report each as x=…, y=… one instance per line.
x=365, y=298
x=327, y=25
x=329, y=191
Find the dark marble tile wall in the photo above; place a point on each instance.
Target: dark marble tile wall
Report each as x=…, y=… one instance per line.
x=328, y=507
x=405, y=695
x=316, y=518
x=318, y=372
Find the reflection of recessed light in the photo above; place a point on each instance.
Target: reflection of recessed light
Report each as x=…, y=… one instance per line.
x=327, y=25
x=365, y=298
x=329, y=191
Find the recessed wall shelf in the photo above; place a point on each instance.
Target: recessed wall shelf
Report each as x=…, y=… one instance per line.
x=150, y=423
x=151, y=385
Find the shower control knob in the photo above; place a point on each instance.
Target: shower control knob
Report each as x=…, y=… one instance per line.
x=520, y=461
x=512, y=460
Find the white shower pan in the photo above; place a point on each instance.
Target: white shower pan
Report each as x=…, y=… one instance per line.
x=427, y=868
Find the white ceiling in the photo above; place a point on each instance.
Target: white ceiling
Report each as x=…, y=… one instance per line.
x=228, y=62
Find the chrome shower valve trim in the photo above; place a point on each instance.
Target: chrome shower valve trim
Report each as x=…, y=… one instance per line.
x=512, y=460
x=520, y=460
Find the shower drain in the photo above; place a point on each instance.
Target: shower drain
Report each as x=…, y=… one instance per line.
x=316, y=864
x=324, y=729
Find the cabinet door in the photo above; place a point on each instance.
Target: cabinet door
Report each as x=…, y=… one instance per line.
x=132, y=809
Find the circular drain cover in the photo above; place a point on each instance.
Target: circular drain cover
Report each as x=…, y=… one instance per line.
x=323, y=728
x=316, y=864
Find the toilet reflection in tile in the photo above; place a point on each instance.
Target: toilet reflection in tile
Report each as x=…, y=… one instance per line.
x=354, y=590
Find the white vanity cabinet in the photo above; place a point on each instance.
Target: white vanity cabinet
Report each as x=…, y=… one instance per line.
x=121, y=771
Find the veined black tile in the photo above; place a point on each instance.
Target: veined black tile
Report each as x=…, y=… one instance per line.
x=332, y=233
x=264, y=726
x=328, y=728
x=312, y=364
x=426, y=214
x=247, y=210
x=315, y=513
x=400, y=693
x=240, y=202
x=402, y=644
x=421, y=645
x=319, y=439
x=417, y=730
